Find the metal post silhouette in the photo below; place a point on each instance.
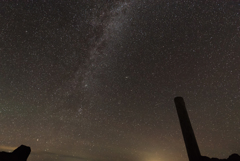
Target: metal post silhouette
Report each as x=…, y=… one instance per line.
x=187, y=131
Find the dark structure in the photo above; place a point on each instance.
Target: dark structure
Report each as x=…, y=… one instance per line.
x=189, y=137
x=187, y=131
x=19, y=154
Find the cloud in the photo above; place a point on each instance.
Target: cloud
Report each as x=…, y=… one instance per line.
x=55, y=156
x=7, y=148
x=50, y=156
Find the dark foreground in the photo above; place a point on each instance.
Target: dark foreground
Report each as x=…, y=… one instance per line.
x=233, y=157
x=189, y=137
x=19, y=154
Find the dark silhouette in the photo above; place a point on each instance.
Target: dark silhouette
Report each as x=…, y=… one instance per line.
x=189, y=137
x=187, y=131
x=19, y=154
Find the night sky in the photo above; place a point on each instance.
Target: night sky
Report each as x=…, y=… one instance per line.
x=94, y=80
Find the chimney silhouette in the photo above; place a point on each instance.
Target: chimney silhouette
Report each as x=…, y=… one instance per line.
x=187, y=131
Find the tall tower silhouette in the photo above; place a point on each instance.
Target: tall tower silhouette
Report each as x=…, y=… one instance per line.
x=187, y=131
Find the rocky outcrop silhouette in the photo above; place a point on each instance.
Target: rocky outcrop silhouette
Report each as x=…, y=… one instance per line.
x=233, y=157
x=19, y=154
x=189, y=137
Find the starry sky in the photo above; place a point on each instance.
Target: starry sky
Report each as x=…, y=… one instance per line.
x=94, y=80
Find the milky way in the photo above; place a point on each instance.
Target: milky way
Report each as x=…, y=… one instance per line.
x=95, y=80
x=109, y=22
